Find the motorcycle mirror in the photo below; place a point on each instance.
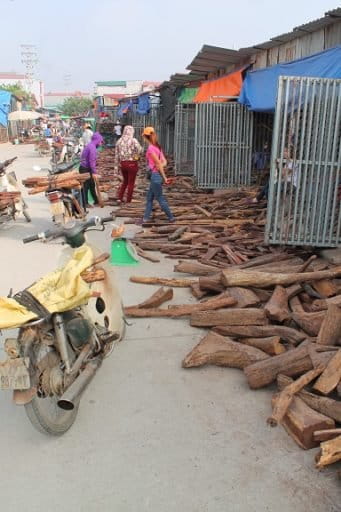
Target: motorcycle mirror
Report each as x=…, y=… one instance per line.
x=36, y=168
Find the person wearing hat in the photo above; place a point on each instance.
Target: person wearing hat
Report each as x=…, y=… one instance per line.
x=87, y=134
x=156, y=164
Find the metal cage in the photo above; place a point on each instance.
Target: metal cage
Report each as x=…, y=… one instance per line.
x=304, y=199
x=184, y=138
x=223, y=145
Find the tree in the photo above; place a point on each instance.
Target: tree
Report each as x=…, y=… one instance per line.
x=76, y=106
x=16, y=89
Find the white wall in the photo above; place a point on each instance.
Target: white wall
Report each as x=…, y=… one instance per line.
x=132, y=87
x=37, y=87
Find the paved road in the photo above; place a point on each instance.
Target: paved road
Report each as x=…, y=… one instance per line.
x=150, y=437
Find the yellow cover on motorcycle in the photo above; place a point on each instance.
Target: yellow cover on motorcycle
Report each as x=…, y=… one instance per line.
x=58, y=291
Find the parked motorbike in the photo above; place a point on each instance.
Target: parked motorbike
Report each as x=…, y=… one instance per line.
x=65, y=204
x=56, y=355
x=11, y=202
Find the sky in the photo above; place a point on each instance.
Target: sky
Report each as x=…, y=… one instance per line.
x=137, y=39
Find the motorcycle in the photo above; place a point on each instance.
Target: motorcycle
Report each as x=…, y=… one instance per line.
x=56, y=354
x=64, y=204
x=11, y=202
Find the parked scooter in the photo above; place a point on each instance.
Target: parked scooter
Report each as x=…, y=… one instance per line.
x=60, y=348
x=11, y=204
x=65, y=204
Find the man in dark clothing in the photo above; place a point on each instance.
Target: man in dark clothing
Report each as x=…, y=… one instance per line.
x=88, y=164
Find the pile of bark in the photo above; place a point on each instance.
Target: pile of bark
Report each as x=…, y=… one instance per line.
x=278, y=319
x=66, y=180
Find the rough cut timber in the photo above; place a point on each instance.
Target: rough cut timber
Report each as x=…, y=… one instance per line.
x=301, y=422
x=322, y=404
x=212, y=283
x=182, y=310
x=277, y=308
x=189, y=267
x=159, y=297
x=247, y=316
x=215, y=349
x=326, y=435
x=330, y=453
x=175, y=283
x=271, y=345
x=331, y=375
x=309, y=322
x=262, y=331
x=284, y=398
x=330, y=331
x=264, y=279
x=245, y=298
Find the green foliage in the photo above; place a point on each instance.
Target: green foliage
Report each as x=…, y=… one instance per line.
x=76, y=106
x=17, y=90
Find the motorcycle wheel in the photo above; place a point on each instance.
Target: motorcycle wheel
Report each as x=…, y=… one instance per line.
x=48, y=418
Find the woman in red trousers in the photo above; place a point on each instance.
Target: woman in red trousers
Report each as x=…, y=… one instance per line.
x=127, y=154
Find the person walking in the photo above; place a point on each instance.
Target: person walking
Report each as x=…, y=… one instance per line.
x=88, y=164
x=117, y=131
x=127, y=153
x=156, y=164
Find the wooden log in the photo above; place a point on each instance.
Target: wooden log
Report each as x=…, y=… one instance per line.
x=215, y=349
x=330, y=331
x=284, y=398
x=301, y=422
x=175, y=283
x=178, y=311
x=331, y=375
x=91, y=276
x=322, y=404
x=247, y=316
x=309, y=322
x=293, y=290
x=294, y=362
x=264, y=279
x=189, y=267
x=264, y=259
x=325, y=288
x=321, y=304
x=177, y=233
x=271, y=345
x=326, y=435
x=330, y=452
x=296, y=306
x=212, y=283
x=262, y=331
x=159, y=297
x=197, y=292
x=277, y=307
x=147, y=256
x=245, y=298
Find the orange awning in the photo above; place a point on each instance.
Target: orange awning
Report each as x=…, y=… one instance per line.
x=215, y=90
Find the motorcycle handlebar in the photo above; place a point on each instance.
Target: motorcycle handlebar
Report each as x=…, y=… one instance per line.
x=29, y=239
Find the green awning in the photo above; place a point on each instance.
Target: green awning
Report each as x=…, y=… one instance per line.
x=188, y=94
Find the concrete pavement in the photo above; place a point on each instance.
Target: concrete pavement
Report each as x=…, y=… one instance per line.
x=150, y=436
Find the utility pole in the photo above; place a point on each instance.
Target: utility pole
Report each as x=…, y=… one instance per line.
x=67, y=80
x=29, y=57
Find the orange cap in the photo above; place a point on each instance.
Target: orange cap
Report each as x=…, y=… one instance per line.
x=148, y=130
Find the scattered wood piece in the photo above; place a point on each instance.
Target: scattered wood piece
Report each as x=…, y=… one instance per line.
x=212, y=283
x=309, y=322
x=330, y=452
x=178, y=311
x=215, y=349
x=177, y=233
x=147, y=255
x=301, y=422
x=245, y=298
x=331, y=375
x=271, y=345
x=247, y=316
x=91, y=276
x=175, y=283
x=326, y=435
x=159, y=297
x=325, y=288
x=322, y=404
x=262, y=331
x=191, y=267
x=330, y=331
x=246, y=278
x=285, y=397
x=277, y=308
x=197, y=292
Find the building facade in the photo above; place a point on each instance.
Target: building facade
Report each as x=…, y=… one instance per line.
x=55, y=99
x=36, y=87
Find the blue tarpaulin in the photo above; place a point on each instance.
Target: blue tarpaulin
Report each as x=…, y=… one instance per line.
x=259, y=89
x=124, y=107
x=5, y=103
x=143, y=106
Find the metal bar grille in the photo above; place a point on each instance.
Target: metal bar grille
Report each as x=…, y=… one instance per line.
x=304, y=203
x=223, y=143
x=184, y=139
x=139, y=122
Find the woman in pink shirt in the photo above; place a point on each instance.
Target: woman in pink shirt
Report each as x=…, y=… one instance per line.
x=156, y=163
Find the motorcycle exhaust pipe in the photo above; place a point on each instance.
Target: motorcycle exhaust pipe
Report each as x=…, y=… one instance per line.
x=73, y=393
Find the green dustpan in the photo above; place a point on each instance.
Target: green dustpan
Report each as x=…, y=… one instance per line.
x=123, y=253
x=90, y=198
